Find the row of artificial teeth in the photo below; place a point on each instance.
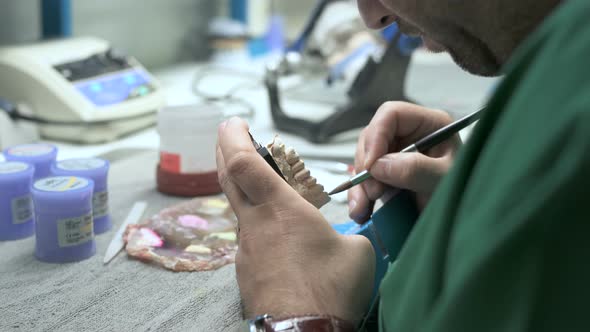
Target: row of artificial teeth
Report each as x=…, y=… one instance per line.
x=298, y=176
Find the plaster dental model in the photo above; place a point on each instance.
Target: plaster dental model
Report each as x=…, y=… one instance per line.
x=294, y=171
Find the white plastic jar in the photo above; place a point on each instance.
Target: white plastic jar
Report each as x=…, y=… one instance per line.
x=188, y=135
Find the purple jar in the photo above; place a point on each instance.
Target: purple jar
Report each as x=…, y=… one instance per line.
x=97, y=170
x=16, y=208
x=63, y=219
x=39, y=155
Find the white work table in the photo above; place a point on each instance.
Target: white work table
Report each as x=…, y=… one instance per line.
x=128, y=295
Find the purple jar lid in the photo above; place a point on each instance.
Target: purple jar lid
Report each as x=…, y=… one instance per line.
x=16, y=208
x=40, y=155
x=63, y=193
x=97, y=170
x=63, y=219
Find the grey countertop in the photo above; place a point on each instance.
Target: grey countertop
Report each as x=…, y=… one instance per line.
x=126, y=295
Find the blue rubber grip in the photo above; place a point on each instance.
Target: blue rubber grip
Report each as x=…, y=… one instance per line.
x=393, y=222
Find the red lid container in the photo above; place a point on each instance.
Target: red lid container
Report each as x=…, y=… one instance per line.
x=187, y=184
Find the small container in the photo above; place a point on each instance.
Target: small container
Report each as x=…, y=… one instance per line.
x=16, y=208
x=97, y=170
x=63, y=219
x=188, y=185
x=188, y=136
x=39, y=155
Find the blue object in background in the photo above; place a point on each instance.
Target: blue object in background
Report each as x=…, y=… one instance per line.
x=56, y=17
x=393, y=222
x=239, y=10
x=275, y=36
x=299, y=44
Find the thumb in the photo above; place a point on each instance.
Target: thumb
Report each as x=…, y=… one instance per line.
x=412, y=171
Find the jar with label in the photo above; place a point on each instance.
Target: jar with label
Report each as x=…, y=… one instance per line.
x=16, y=208
x=39, y=155
x=97, y=170
x=64, y=229
x=188, y=136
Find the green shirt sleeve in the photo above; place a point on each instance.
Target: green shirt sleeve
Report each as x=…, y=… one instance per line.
x=504, y=244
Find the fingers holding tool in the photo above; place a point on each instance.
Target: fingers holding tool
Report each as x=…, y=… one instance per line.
x=395, y=126
x=361, y=199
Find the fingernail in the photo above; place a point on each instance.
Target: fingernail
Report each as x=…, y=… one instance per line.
x=367, y=160
x=235, y=119
x=351, y=206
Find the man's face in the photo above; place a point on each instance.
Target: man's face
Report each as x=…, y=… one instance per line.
x=453, y=26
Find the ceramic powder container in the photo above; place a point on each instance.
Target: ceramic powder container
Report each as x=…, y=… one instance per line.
x=63, y=219
x=39, y=155
x=97, y=170
x=188, y=137
x=16, y=208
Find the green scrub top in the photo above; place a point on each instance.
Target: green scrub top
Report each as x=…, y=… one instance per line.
x=504, y=244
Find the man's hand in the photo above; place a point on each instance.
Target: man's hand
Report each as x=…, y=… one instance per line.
x=290, y=261
x=395, y=126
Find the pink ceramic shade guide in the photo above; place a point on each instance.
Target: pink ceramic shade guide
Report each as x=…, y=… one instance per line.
x=146, y=237
x=192, y=221
x=197, y=235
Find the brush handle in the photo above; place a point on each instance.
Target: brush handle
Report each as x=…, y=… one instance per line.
x=362, y=176
x=445, y=133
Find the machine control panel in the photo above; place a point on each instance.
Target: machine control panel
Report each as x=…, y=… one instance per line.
x=106, y=78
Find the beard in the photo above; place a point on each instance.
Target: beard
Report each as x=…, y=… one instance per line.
x=469, y=53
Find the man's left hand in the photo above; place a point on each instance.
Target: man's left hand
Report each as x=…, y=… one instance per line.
x=290, y=260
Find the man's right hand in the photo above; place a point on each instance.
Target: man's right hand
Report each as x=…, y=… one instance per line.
x=395, y=126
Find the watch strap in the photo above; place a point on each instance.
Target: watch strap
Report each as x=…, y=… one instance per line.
x=306, y=323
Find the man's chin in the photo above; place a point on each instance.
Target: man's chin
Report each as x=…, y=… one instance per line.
x=477, y=64
x=478, y=68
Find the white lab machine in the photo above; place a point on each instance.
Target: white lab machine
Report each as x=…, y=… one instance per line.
x=81, y=89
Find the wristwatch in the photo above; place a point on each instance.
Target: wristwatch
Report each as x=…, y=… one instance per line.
x=266, y=323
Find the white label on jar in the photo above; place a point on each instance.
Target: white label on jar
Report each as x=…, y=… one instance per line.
x=22, y=209
x=75, y=231
x=100, y=204
x=81, y=164
x=30, y=150
x=61, y=183
x=12, y=167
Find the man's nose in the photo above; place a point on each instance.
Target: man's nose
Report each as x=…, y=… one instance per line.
x=375, y=15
